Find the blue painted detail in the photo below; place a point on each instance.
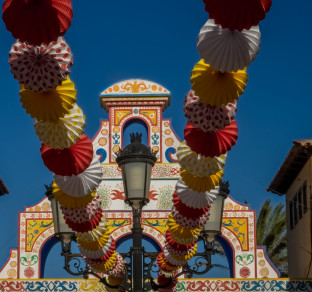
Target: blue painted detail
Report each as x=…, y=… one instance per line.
x=135, y=111
x=116, y=138
x=102, y=153
x=169, y=152
x=155, y=139
x=51, y=286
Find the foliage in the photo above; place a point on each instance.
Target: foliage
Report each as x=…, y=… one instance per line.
x=271, y=232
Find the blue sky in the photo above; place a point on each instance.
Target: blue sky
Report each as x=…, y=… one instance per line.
x=156, y=40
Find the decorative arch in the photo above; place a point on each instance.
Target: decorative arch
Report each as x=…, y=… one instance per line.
x=129, y=126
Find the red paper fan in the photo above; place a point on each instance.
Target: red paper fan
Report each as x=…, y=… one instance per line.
x=162, y=280
x=68, y=161
x=186, y=211
x=177, y=246
x=103, y=258
x=86, y=226
x=211, y=143
x=237, y=14
x=37, y=21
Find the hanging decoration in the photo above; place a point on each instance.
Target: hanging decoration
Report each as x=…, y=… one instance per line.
x=49, y=106
x=40, y=60
x=44, y=67
x=227, y=44
x=227, y=50
x=207, y=117
x=64, y=132
x=37, y=21
x=217, y=88
x=237, y=14
x=69, y=161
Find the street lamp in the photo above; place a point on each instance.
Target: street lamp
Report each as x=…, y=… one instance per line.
x=212, y=227
x=136, y=161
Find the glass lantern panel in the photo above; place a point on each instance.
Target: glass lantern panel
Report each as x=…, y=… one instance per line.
x=213, y=224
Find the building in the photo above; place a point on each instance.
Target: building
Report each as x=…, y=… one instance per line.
x=137, y=105
x=294, y=179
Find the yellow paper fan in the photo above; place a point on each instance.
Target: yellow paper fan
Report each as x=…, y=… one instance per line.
x=96, y=243
x=180, y=231
x=201, y=184
x=106, y=266
x=51, y=105
x=64, y=132
x=217, y=88
x=114, y=281
x=70, y=202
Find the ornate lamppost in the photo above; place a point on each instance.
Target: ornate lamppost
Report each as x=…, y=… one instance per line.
x=136, y=161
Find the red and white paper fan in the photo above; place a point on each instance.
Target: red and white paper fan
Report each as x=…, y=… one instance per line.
x=68, y=161
x=95, y=254
x=83, y=183
x=237, y=14
x=211, y=144
x=228, y=50
x=84, y=214
x=37, y=21
x=207, y=117
x=41, y=68
x=188, y=222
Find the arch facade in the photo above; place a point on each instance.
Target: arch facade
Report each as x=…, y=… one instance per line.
x=124, y=101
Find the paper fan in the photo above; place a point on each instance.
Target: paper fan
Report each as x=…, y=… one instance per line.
x=95, y=254
x=186, y=211
x=184, y=248
x=51, y=105
x=172, y=260
x=103, y=258
x=215, y=87
x=83, y=183
x=64, y=132
x=205, y=116
x=164, y=280
x=69, y=161
x=114, y=281
x=95, y=243
x=70, y=201
x=40, y=68
x=37, y=21
x=237, y=14
x=87, y=225
x=228, y=50
x=201, y=184
x=197, y=164
x=105, y=266
x=195, y=199
x=181, y=231
x=84, y=214
x=188, y=222
x=211, y=144
x=118, y=269
x=163, y=263
x=95, y=233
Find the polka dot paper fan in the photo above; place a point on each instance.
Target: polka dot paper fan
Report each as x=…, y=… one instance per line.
x=207, y=117
x=41, y=68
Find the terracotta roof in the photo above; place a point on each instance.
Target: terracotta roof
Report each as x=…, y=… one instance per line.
x=3, y=188
x=292, y=165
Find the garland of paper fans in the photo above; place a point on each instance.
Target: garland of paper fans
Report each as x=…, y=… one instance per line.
x=228, y=42
x=41, y=60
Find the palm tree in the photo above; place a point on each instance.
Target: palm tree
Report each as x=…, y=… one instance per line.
x=271, y=232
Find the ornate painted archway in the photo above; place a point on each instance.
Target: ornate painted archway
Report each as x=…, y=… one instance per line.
x=146, y=100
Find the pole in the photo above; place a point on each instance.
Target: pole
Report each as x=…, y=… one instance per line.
x=137, y=251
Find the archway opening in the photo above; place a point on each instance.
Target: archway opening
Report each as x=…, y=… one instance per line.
x=132, y=126
x=52, y=263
